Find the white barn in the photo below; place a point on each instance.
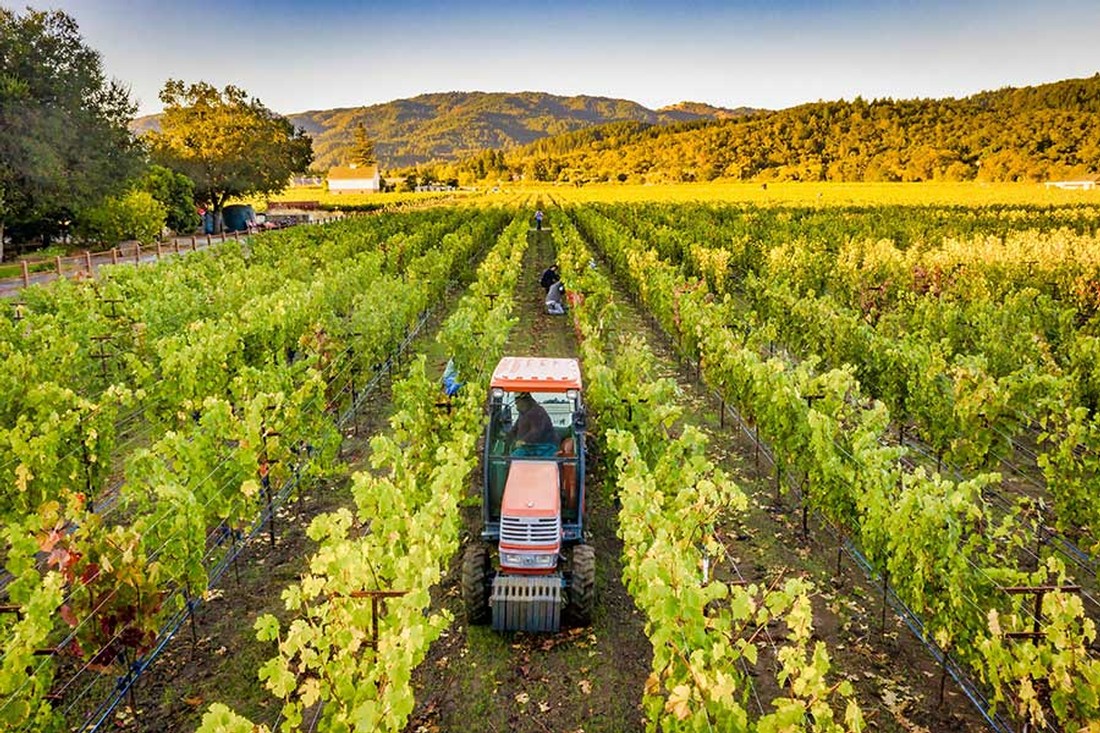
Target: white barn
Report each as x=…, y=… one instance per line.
x=354, y=179
x=1083, y=184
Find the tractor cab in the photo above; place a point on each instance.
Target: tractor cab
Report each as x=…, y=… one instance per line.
x=532, y=562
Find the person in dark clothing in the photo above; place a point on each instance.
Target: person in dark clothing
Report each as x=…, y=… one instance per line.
x=549, y=276
x=533, y=432
x=538, y=220
x=554, y=295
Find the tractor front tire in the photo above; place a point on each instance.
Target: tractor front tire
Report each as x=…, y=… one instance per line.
x=477, y=572
x=582, y=589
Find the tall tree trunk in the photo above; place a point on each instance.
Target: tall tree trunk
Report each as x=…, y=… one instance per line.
x=219, y=204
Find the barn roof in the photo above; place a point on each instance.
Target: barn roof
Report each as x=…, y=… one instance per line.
x=352, y=173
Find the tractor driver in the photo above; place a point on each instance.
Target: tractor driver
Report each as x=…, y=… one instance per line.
x=533, y=432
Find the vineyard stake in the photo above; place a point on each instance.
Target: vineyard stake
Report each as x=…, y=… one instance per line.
x=58, y=261
x=114, y=255
x=26, y=273
x=943, y=675
x=1039, y=591
x=191, y=616
x=885, y=590
x=839, y=552
x=137, y=254
x=756, y=446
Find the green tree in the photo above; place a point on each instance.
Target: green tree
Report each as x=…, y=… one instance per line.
x=362, y=150
x=228, y=144
x=176, y=192
x=134, y=215
x=64, y=141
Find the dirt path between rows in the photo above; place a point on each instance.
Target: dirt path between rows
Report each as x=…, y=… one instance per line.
x=581, y=679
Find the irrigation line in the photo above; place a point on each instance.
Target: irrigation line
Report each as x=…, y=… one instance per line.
x=169, y=630
x=961, y=678
x=996, y=722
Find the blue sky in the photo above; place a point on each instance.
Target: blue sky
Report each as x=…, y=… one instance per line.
x=298, y=55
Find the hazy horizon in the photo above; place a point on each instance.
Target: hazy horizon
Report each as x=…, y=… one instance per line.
x=330, y=54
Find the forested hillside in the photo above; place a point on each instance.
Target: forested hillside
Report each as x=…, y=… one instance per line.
x=450, y=125
x=1030, y=133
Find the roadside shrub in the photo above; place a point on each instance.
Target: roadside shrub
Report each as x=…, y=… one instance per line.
x=134, y=215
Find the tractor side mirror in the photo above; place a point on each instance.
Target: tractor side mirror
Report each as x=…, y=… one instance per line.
x=580, y=420
x=504, y=415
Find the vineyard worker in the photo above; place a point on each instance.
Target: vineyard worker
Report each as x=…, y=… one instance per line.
x=538, y=220
x=451, y=385
x=533, y=433
x=549, y=277
x=553, y=299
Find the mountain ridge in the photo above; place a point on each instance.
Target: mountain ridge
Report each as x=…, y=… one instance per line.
x=447, y=126
x=1030, y=133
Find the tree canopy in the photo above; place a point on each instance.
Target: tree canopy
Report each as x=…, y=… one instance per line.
x=1031, y=133
x=228, y=144
x=64, y=142
x=362, y=150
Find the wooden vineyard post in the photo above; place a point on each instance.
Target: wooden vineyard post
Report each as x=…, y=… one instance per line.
x=88, y=261
x=194, y=243
x=885, y=591
x=265, y=477
x=102, y=355
x=57, y=263
x=26, y=273
x=114, y=255
x=839, y=552
x=1039, y=591
x=943, y=675
x=137, y=254
x=756, y=446
x=376, y=597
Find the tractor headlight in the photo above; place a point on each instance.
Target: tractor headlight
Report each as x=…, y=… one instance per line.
x=528, y=560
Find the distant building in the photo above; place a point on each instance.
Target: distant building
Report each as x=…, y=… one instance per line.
x=306, y=181
x=354, y=179
x=1081, y=184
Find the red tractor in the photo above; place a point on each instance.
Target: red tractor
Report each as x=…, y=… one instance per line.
x=532, y=565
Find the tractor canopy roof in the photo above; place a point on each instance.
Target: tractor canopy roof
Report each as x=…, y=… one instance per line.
x=536, y=374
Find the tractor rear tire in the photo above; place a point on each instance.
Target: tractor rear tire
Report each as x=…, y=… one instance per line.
x=477, y=573
x=582, y=590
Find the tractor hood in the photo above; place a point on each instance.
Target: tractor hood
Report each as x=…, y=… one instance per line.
x=531, y=490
